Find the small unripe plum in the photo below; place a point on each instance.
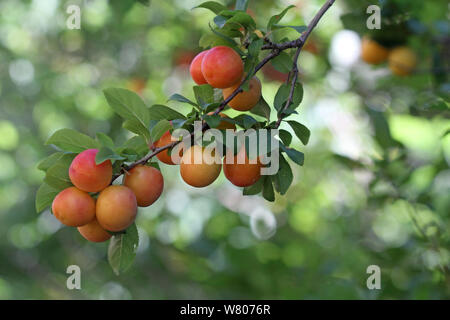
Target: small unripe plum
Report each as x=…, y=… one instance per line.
x=88, y=176
x=245, y=100
x=196, y=68
x=202, y=173
x=116, y=208
x=223, y=125
x=372, y=52
x=146, y=182
x=94, y=232
x=242, y=174
x=73, y=207
x=222, y=67
x=164, y=155
x=402, y=61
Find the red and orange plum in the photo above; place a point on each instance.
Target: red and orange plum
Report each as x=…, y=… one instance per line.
x=116, y=208
x=73, y=207
x=88, y=176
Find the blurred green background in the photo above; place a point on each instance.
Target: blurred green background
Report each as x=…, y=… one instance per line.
x=374, y=189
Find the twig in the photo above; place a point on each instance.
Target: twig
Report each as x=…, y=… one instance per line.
x=276, y=49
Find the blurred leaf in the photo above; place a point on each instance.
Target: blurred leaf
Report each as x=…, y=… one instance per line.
x=276, y=18
x=301, y=131
x=71, y=140
x=220, y=21
x=122, y=249
x=213, y=6
x=45, y=196
x=241, y=5
x=352, y=164
x=299, y=29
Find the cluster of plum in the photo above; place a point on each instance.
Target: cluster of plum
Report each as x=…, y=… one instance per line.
x=222, y=68
x=115, y=207
x=401, y=60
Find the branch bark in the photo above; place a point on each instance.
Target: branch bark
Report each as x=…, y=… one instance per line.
x=276, y=49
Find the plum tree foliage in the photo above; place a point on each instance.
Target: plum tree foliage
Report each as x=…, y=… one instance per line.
x=225, y=74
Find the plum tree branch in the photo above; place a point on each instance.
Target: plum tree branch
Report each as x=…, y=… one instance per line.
x=276, y=49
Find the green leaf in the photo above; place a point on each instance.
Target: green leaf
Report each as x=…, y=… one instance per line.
x=180, y=98
x=228, y=40
x=159, y=112
x=49, y=161
x=296, y=156
x=129, y=106
x=122, y=249
x=57, y=175
x=255, y=47
x=220, y=21
x=241, y=5
x=285, y=137
x=276, y=18
x=134, y=146
x=254, y=188
x=268, y=192
x=282, y=96
x=105, y=140
x=245, y=121
x=299, y=29
x=71, y=140
x=212, y=120
x=212, y=40
x=45, y=196
x=106, y=153
x=261, y=109
x=282, y=62
x=159, y=129
x=283, y=179
x=136, y=127
x=213, y=6
x=204, y=94
x=301, y=131
x=242, y=19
